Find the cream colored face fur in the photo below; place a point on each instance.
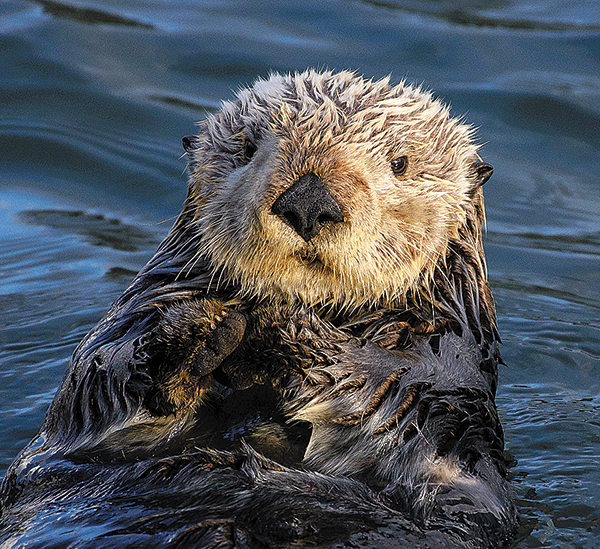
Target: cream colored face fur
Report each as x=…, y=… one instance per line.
x=347, y=131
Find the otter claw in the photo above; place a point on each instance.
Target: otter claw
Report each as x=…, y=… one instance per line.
x=227, y=335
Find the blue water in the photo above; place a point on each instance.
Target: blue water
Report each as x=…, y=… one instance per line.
x=96, y=95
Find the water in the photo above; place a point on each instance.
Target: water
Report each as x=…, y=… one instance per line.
x=96, y=95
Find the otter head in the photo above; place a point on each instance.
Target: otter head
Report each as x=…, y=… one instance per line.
x=330, y=189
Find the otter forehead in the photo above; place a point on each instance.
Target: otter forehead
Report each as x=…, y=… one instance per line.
x=326, y=110
x=327, y=187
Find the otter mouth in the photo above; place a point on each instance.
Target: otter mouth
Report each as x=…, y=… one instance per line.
x=312, y=260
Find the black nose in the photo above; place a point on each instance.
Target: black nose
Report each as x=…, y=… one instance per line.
x=307, y=206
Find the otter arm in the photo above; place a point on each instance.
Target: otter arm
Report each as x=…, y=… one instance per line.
x=420, y=425
x=142, y=376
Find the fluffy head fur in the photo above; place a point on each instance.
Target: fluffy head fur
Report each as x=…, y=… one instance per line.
x=347, y=131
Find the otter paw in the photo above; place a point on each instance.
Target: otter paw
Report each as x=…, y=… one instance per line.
x=198, y=335
x=226, y=336
x=190, y=342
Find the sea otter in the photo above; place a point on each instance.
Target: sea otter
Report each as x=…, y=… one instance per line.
x=310, y=357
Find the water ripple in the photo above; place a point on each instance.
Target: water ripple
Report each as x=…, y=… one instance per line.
x=89, y=15
x=521, y=16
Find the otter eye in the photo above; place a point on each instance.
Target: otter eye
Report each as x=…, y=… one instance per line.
x=249, y=150
x=399, y=165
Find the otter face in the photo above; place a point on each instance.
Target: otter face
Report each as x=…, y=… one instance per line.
x=331, y=189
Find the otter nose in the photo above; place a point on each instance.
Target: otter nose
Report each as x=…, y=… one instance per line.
x=307, y=206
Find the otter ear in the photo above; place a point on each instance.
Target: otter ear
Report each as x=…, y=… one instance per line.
x=189, y=143
x=483, y=172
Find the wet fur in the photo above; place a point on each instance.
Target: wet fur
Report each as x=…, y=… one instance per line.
x=253, y=389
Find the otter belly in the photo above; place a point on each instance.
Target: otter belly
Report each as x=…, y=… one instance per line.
x=395, y=445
